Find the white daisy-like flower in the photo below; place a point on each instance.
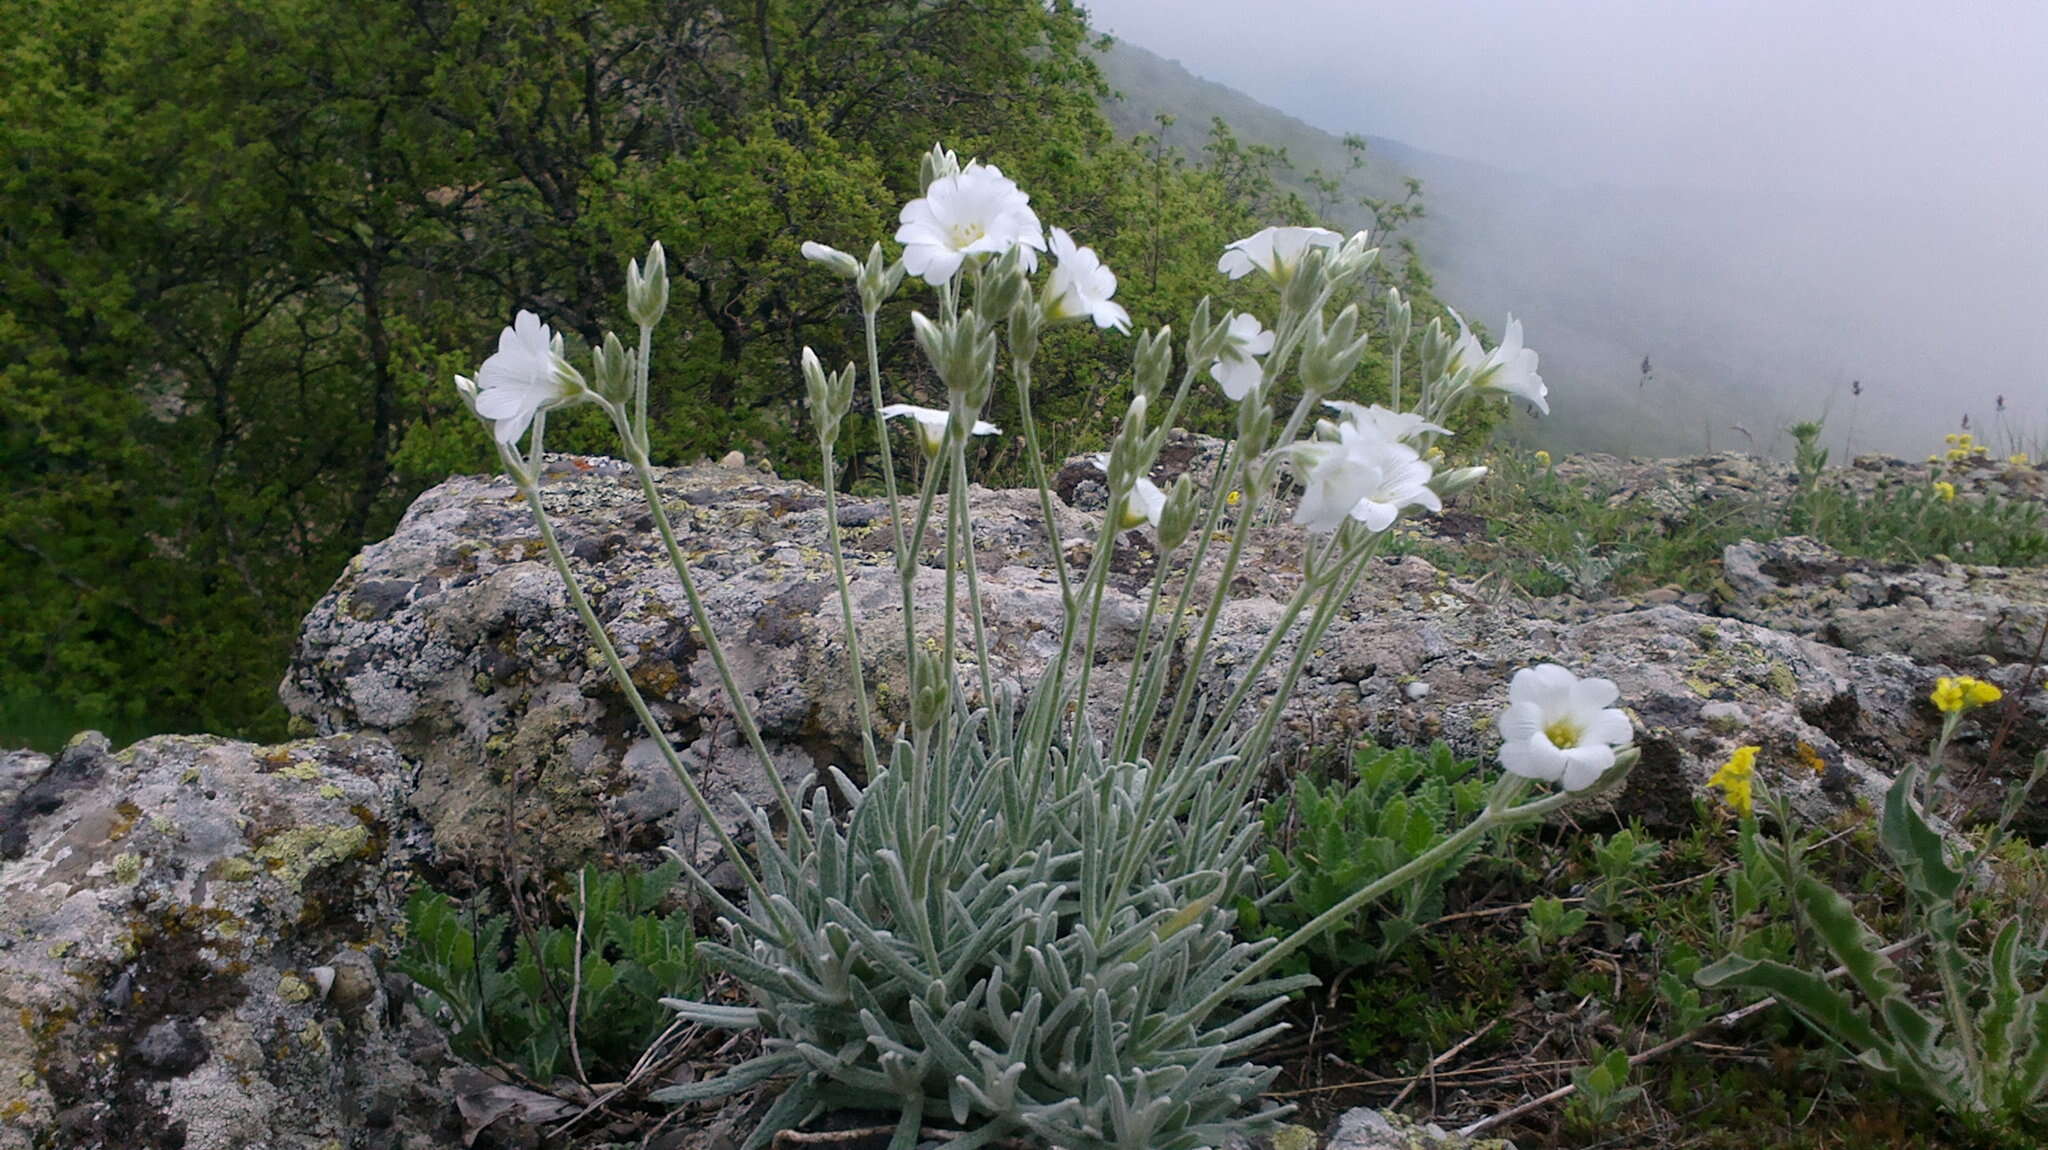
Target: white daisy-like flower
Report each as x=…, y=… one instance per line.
x=1275, y=251
x=1510, y=367
x=1400, y=426
x=1143, y=505
x=1559, y=728
x=526, y=375
x=931, y=424
x=973, y=212
x=1080, y=287
x=1237, y=369
x=1361, y=475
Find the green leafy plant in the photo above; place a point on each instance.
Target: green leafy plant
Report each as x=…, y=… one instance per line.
x=1978, y=1044
x=582, y=995
x=1549, y=924
x=1619, y=860
x=1327, y=841
x=1603, y=1089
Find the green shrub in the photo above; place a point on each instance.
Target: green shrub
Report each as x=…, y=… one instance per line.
x=1330, y=840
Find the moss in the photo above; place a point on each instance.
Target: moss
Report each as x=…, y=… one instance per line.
x=127, y=868
x=236, y=869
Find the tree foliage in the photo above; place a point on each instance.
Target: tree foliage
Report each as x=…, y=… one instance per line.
x=243, y=247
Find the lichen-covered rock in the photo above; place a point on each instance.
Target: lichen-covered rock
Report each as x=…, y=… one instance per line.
x=454, y=639
x=1366, y=1129
x=167, y=914
x=1935, y=612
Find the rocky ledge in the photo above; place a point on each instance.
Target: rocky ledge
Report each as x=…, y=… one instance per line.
x=195, y=934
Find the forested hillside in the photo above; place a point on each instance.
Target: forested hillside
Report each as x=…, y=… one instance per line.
x=244, y=249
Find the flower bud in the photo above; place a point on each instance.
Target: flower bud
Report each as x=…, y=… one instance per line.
x=936, y=165
x=647, y=287
x=612, y=367
x=1026, y=321
x=1154, y=356
x=1002, y=283
x=1329, y=355
x=1456, y=480
x=1177, y=518
x=929, y=690
x=1254, y=427
x=1205, y=336
x=466, y=388
x=832, y=259
x=878, y=280
x=1400, y=317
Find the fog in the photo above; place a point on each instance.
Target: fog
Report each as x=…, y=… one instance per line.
x=1771, y=201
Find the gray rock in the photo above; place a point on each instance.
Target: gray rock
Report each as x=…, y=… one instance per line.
x=158, y=928
x=482, y=675
x=1367, y=1129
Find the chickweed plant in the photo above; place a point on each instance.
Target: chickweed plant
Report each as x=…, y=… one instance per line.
x=1016, y=914
x=1977, y=1045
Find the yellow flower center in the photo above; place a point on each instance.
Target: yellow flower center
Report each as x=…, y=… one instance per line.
x=1563, y=733
x=964, y=235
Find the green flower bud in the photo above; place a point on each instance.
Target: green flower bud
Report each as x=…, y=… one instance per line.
x=1177, y=518
x=647, y=287
x=611, y=365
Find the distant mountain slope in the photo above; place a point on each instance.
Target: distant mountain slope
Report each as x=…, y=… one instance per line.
x=1754, y=311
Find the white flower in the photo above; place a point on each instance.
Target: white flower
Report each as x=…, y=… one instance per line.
x=1144, y=503
x=1236, y=367
x=1363, y=475
x=931, y=424
x=1400, y=426
x=1510, y=367
x=1275, y=251
x=1515, y=369
x=1560, y=728
x=526, y=375
x=1080, y=287
x=977, y=211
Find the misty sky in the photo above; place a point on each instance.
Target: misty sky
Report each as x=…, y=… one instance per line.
x=1804, y=95
x=1865, y=160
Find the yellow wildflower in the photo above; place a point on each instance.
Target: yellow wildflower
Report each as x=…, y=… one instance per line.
x=1945, y=491
x=1934, y=459
x=1735, y=778
x=2017, y=459
x=1543, y=459
x=1961, y=694
x=1951, y=438
x=1233, y=498
x=1957, y=454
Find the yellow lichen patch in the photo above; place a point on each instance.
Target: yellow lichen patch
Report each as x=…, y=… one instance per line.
x=236, y=869
x=126, y=814
x=127, y=868
x=292, y=855
x=292, y=988
x=330, y=791
x=300, y=772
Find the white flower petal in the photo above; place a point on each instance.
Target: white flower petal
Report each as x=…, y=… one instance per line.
x=1533, y=759
x=1609, y=726
x=1593, y=694
x=1583, y=765
x=1520, y=722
